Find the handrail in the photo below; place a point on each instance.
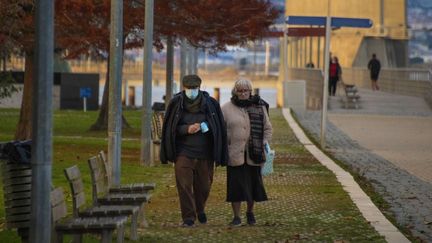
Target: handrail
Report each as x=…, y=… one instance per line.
x=407, y=74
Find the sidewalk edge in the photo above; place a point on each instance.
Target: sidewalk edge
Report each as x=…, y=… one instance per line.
x=369, y=211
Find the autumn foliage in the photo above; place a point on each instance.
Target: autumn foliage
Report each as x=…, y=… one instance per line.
x=82, y=28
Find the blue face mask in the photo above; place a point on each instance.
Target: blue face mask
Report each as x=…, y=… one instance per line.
x=192, y=93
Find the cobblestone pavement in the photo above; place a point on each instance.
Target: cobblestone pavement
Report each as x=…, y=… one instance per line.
x=409, y=197
x=306, y=204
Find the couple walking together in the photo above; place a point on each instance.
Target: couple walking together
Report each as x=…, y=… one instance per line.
x=197, y=134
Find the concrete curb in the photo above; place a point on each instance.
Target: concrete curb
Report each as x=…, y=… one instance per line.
x=369, y=211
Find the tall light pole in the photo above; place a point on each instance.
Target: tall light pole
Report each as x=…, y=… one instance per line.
x=147, y=86
x=169, y=70
x=183, y=60
x=319, y=52
x=381, y=16
x=285, y=51
x=190, y=61
x=267, y=58
x=195, y=60
x=115, y=85
x=326, y=76
x=310, y=48
x=40, y=222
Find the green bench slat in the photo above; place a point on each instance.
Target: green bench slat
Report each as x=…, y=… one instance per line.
x=18, y=173
x=110, y=210
x=18, y=210
x=17, y=188
x=93, y=223
x=17, y=203
x=17, y=195
x=17, y=181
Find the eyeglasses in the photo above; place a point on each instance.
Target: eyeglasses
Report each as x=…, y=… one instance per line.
x=242, y=91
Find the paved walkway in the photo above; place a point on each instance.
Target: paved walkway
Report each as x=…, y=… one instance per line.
x=388, y=141
x=395, y=127
x=405, y=141
x=369, y=211
x=306, y=203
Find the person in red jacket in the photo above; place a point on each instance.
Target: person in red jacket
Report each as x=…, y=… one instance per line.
x=335, y=72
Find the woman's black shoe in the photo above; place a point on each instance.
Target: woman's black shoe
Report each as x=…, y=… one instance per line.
x=235, y=222
x=250, y=218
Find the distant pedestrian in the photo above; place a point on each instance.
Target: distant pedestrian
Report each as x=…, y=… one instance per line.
x=374, y=67
x=310, y=65
x=335, y=73
x=249, y=130
x=194, y=138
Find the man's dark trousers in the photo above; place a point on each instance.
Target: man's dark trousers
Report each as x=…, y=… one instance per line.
x=193, y=179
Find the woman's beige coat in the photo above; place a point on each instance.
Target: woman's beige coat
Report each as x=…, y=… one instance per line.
x=238, y=130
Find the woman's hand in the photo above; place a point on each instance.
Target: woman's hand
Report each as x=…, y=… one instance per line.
x=267, y=147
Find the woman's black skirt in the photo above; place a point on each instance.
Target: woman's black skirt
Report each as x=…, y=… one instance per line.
x=244, y=183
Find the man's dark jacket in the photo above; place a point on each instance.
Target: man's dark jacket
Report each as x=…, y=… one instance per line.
x=374, y=66
x=214, y=118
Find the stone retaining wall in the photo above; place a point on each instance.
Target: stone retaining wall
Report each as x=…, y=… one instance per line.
x=410, y=82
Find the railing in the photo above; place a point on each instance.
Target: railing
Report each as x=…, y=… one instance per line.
x=421, y=75
x=404, y=81
x=406, y=74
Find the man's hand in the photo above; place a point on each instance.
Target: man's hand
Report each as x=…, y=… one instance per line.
x=194, y=128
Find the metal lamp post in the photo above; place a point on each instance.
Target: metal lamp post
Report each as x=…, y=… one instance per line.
x=40, y=222
x=326, y=77
x=147, y=86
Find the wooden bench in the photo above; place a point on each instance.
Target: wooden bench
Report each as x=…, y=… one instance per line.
x=17, y=196
x=123, y=188
x=156, y=133
x=157, y=122
x=73, y=175
x=104, y=226
x=102, y=196
x=351, y=98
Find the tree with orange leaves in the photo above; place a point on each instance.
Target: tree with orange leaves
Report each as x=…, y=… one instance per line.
x=17, y=30
x=87, y=33
x=214, y=24
x=82, y=27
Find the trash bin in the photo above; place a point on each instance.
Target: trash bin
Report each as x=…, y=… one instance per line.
x=156, y=134
x=17, y=176
x=158, y=106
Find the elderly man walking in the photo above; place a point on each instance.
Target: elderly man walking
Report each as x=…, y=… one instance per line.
x=194, y=138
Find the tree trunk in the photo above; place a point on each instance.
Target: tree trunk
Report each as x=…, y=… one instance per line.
x=102, y=121
x=24, y=127
x=4, y=63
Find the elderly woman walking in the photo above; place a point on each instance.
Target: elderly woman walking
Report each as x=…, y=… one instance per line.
x=248, y=129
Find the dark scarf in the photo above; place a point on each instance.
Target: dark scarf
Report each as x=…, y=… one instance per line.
x=256, y=117
x=193, y=106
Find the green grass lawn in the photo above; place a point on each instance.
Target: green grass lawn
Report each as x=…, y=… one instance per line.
x=306, y=203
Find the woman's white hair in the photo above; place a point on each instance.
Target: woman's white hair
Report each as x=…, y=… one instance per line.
x=241, y=83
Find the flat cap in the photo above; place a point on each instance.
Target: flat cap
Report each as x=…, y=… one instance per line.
x=191, y=81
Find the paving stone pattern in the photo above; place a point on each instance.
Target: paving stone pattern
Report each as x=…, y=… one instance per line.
x=295, y=212
x=410, y=198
